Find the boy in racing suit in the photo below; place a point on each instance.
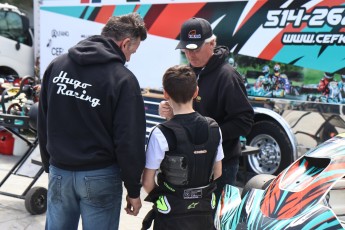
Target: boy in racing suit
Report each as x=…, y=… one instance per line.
x=188, y=151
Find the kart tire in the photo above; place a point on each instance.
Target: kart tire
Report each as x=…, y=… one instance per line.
x=14, y=109
x=261, y=181
x=36, y=200
x=275, y=148
x=33, y=114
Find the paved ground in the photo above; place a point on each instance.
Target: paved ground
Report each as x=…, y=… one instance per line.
x=14, y=216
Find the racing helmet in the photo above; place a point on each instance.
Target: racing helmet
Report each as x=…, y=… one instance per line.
x=265, y=69
x=328, y=75
x=276, y=68
x=231, y=61
x=342, y=77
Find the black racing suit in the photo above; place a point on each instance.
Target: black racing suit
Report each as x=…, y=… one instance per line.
x=184, y=198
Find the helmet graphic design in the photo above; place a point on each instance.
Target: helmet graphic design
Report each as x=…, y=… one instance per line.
x=265, y=69
x=231, y=61
x=276, y=68
x=328, y=75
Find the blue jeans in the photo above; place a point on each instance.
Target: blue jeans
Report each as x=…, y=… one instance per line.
x=94, y=195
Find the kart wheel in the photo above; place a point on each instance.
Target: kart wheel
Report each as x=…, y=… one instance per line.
x=14, y=109
x=36, y=200
x=275, y=148
x=261, y=181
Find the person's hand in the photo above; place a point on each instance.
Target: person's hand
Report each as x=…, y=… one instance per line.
x=165, y=110
x=37, y=87
x=133, y=205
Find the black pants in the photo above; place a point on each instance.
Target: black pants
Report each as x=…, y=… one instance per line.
x=197, y=221
x=185, y=214
x=229, y=173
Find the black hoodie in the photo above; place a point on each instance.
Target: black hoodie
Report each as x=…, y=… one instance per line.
x=92, y=113
x=223, y=97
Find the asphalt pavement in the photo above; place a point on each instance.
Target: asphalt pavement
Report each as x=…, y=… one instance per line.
x=14, y=216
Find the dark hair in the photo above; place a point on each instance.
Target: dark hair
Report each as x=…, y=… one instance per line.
x=180, y=83
x=125, y=26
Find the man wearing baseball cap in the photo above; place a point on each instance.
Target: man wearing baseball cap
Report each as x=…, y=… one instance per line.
x=193, y=34
x=222, y=94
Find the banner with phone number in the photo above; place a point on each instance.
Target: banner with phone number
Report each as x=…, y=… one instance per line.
x=304, y=33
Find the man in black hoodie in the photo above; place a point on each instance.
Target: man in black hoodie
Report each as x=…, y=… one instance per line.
x=222, y=94
x=91, y=128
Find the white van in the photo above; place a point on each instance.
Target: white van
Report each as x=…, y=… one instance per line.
x=16, y=43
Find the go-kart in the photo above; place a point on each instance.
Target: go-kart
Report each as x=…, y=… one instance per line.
x=334, y=95
x=18, y=116
x=309, y=194
x=263, y=87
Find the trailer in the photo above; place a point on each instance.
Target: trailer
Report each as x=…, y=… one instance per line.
x=305, y=38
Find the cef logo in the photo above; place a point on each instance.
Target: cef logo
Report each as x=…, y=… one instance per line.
x=92, y=1
x=192, y=34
